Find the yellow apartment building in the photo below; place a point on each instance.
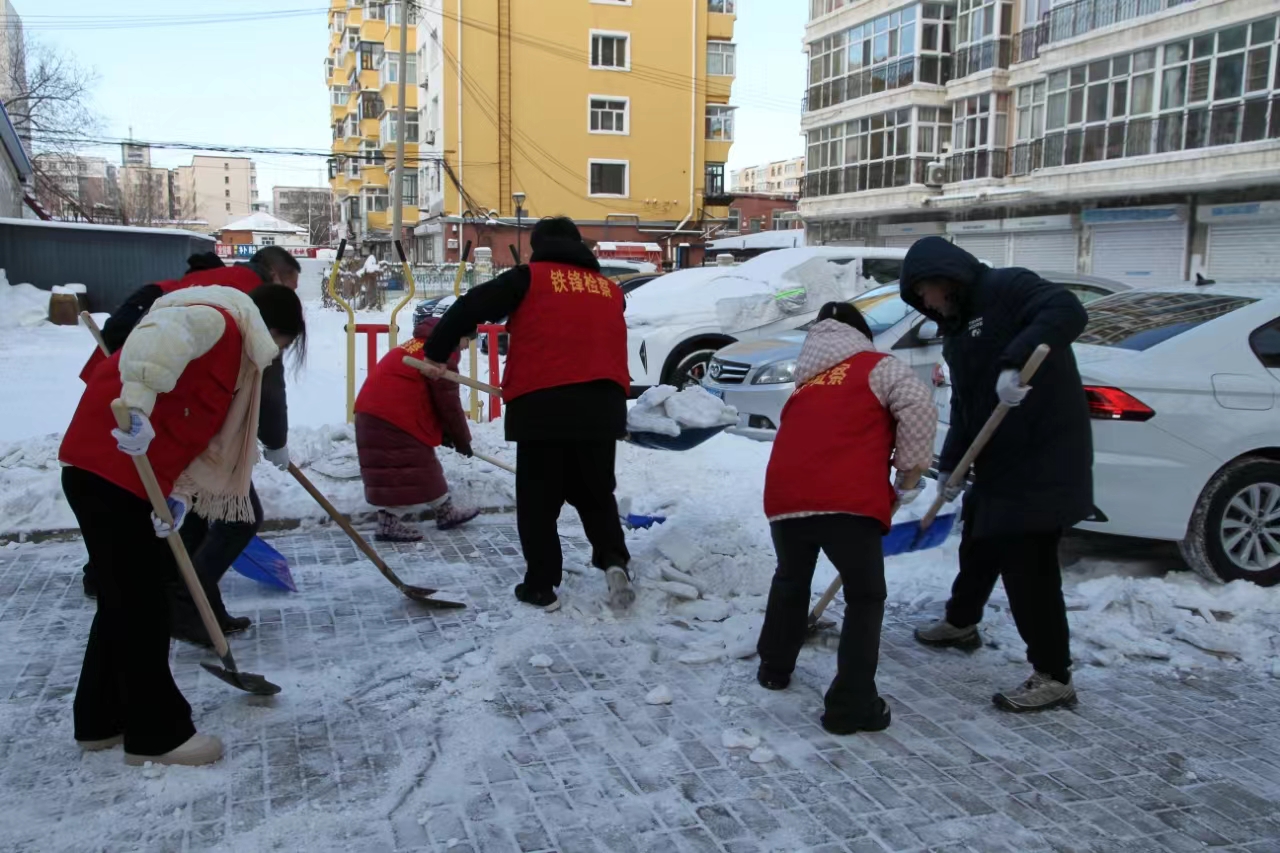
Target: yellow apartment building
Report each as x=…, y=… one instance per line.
x=613, y=112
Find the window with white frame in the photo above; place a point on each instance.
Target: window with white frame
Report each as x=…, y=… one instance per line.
x=388, y=125
x=389, y=69
x=338, y=96
x=408, y=189
x=264, y=240
x=328, y=68
x=609, y=178
x=353, y=167
x=371, y=54
x=376, y=200
x=353, y=125
x=353, y=39
x=720, y=58
x=719, y=123
x=371, y=154
x=818, y=8
x=983, y=28
x=608, y=115
x=735, y=220
x=394, y=14
x=1217, y=88
x=721, y=7
x=610, y=50
x=376, y=11
x=886, y=150
x=979, y=136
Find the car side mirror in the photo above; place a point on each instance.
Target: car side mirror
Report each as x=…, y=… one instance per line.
x=928, y=331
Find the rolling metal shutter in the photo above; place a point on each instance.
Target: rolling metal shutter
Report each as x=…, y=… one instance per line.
x=904, y=241
x=1244, y=251
x=989, y=248
x=1141, y=255
x=1042, y=251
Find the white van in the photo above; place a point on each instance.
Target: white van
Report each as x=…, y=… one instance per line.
x=676, y=323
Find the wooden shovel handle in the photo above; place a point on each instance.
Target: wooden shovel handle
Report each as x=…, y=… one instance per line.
x=342, y=522
x=426, y=370
x=984, y=435
x=158, y=505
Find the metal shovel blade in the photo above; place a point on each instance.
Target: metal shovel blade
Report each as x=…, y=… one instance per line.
x=422, y=595
x=246, y=681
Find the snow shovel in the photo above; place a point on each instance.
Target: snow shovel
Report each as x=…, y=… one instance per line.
x=932, y=530
x=264, y=564
x=420, y=594
x=228, y=672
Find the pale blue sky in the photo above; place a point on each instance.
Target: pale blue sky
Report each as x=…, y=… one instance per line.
x=262, y=83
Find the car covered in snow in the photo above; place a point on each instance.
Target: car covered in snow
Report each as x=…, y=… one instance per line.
x=1183, y=384
x=756, y=377
x=676, y=323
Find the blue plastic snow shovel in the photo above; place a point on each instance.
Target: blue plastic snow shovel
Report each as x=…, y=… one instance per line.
x=264, y=564
x=933, y=529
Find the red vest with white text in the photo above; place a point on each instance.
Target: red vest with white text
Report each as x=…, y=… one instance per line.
x=397, y=394
x=833, y=448
x=568, y=329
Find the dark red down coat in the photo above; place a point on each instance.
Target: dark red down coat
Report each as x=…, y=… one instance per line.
x=399, y=417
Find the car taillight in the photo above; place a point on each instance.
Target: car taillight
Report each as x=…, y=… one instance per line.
x=939, y=377
x=1112, y=404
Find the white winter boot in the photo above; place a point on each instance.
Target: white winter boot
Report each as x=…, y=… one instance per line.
x=196, y=752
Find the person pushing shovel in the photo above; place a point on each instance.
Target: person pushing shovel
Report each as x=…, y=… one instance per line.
x=855, y=412
x=1035, y=477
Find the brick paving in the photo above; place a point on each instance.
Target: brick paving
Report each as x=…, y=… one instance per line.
x=408, y=729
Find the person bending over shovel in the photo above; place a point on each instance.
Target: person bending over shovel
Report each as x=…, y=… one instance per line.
x=400, y=416
x=855, y=412
x=565, y=387
x=1035, y=477
x=191, y=374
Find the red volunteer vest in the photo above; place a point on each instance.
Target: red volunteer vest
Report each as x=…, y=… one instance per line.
x=397, y=394
x=833, y=449
x=242, y=279
x=185, y=419
x=568, y=329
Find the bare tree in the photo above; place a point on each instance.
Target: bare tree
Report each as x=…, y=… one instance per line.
x=51, y=96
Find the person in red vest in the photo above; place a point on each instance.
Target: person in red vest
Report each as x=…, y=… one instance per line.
x=400, y=416
x=565, y=388
x=854, y=413
x=191, y=374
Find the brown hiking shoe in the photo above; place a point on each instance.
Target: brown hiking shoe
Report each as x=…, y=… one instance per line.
x=1038, y=693
x=942, y=634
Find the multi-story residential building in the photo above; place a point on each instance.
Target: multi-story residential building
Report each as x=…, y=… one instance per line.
x=779, y=176
x=72, y=188
x=1134, y=139
x=363, y=74
x=311, y=207
x=612, y=112
x=216, y=190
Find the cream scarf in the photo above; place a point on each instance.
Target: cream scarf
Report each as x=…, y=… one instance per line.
x=218, y=480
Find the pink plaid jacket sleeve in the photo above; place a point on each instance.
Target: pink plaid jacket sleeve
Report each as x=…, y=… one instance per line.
x=911, y=403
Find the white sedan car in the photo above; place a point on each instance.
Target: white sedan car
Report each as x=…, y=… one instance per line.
x=1183, y=385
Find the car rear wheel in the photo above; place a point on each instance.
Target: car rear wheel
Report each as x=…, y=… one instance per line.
x=1235, y=529
x=691, y=369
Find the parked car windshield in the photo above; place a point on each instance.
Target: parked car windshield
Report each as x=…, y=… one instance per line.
x=1139, y=321
x=882, y=307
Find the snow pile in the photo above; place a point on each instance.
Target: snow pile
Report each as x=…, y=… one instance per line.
x=22, y=304
x=664, y=410
x=371, y=266
x=70, y=289
x=801, y=289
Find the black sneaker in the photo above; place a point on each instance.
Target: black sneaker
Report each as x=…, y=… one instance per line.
x=772, y=680
x=544, y=599
x=878, y=721
x=236, y=625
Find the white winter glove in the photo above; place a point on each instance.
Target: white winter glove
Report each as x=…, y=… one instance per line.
x=949, y=493
x=904, y=495
x=136, y=441
x=278, y=457
x=177, y=509
x=1009, y=387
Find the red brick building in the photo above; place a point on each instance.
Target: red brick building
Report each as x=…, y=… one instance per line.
x=752, y=212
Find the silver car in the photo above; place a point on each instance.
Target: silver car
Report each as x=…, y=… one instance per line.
x=757, y=377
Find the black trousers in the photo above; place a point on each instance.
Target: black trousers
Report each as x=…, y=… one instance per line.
x=550, y=474
x=1028, y=563
x=213, y=548
x=125, y=683
x=853, y=544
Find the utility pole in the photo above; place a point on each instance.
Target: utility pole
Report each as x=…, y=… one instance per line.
x=397, y=187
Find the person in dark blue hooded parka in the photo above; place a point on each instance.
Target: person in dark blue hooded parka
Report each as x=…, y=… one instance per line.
x=1035, y=478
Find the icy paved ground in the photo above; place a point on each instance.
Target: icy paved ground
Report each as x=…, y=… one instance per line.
x=406, y=729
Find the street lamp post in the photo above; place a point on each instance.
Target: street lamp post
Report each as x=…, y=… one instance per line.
x=519, y=198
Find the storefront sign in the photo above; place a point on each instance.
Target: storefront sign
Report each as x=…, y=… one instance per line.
x=973, y=227
x=911, y=229
x=1246, y=212
x=1040, y=223
x=1133, y=215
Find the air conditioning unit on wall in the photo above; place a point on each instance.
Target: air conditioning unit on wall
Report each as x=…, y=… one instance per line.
x=935, y=174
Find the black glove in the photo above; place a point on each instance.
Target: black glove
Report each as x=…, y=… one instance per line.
x=446, y=441
x=463, y=447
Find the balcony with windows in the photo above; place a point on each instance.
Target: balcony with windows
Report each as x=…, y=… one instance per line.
x=721, y=18
x=718, y=132
x=983, y=29
x=1201, y=111
x=1069, y=20
x=901, y=49
x=874, y=163
x=389, y=80
x=714, y=190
